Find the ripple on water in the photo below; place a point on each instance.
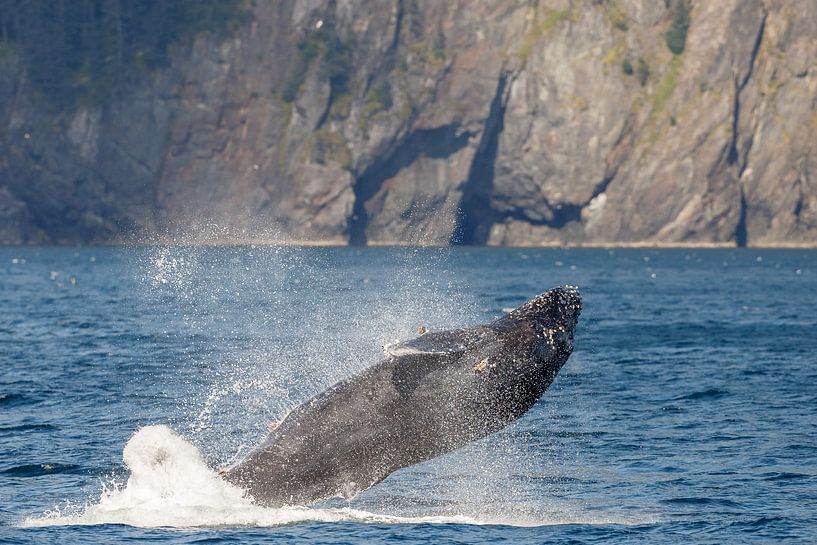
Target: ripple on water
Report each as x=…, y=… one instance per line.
x=686, y=413
x=710, y=394
x=699, y=500
x=16, y=399
x=26, y=427
x=48, y=468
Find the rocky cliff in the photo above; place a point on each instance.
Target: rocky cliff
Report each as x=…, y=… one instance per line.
x=410, y=121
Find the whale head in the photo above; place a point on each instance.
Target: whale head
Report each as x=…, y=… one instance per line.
x=553, y=315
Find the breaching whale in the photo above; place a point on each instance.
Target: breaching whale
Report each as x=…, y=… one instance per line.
x=429, y=396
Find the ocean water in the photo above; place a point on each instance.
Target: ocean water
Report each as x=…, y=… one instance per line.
x=687, y=412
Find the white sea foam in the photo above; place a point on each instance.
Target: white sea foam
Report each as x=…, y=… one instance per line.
x=171, y=486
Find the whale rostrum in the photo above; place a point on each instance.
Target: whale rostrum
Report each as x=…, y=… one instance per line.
x=430, y=395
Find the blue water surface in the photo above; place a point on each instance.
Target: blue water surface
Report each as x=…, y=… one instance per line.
x=687, y=413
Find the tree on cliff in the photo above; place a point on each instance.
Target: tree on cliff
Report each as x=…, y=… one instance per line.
x=676, y=36
x=80, y=49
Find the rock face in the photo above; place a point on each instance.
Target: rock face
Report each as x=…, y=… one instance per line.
x=409, y=121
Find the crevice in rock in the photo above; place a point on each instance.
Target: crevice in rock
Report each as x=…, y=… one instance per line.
x=141, y=165
x=740, y=231
x=562, y=213
x=601, y=187
x=732, y=155
x=326, y=109
x=390, y=54
x=398, y=27
x=739, y=86
x=437, y=143
x=159, y=179
x=798, y=208
x=475, y=212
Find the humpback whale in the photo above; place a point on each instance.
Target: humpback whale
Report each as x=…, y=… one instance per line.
x=430, y=395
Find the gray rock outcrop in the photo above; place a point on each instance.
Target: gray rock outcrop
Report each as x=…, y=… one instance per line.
x=409, y=121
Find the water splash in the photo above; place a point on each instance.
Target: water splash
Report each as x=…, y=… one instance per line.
x=261, y=337
x=171, y=486
x=260, y=340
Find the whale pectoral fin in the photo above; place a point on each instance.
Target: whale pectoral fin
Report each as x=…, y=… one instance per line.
x=439, y=342
x=416, y=358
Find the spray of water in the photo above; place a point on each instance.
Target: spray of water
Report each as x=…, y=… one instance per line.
x=170, y=485
x=268, y=326
x=265, y=327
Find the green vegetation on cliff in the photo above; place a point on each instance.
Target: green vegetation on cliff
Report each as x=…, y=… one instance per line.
x=335, y=54
x=643, y=71
x=379, y=98
x=80, y=50
x=676, y=36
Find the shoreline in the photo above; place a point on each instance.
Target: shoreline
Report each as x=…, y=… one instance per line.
x=246, y=242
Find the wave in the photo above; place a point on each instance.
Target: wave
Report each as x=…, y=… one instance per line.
x=27, y=427
x=14, y=399
x=38, y=470
x=170, y=485
x=704, y=395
